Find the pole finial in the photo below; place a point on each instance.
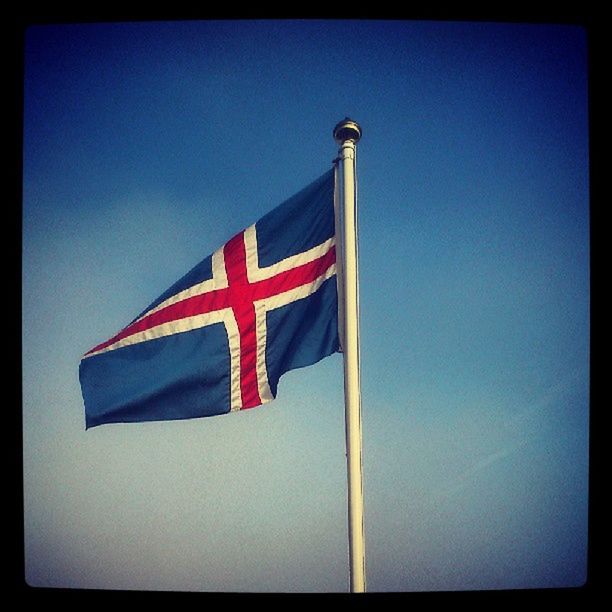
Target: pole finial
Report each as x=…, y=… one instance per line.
x=347, y=129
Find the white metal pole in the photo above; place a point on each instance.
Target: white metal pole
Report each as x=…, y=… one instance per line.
x=347, y=133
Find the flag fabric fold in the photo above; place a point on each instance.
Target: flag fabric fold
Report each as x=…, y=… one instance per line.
x=220, y=338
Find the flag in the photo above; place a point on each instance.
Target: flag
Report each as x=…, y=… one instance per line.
x=221, y=337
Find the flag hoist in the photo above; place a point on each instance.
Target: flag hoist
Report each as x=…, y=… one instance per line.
x=347, y=133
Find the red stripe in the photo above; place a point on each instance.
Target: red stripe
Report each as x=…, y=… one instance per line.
x=241, y=300
x=197, y=304
x=295, y=277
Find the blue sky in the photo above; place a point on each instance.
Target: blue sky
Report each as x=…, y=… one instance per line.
x=148, y=145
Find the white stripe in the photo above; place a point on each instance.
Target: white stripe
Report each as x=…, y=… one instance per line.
x=255, y=273
x=265, y=394
x=167, y=329
x=233, y=339
x=218, y=281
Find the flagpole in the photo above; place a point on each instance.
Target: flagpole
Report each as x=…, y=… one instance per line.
x=347, y=133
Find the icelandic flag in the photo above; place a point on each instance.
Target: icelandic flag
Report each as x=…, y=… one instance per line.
x=220, y=338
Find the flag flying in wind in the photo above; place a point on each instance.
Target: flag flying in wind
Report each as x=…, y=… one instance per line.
x=220, y=338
